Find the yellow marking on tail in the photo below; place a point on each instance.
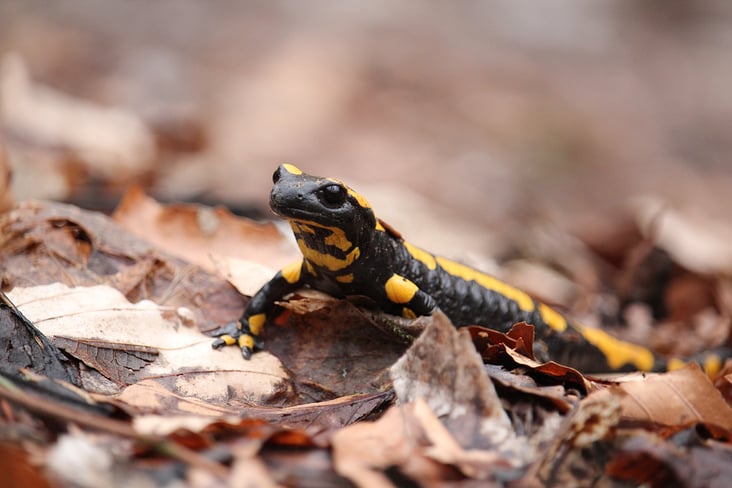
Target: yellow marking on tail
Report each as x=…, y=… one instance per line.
x=617, y=353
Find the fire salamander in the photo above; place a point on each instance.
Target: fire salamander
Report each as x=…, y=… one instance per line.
x=348, y=251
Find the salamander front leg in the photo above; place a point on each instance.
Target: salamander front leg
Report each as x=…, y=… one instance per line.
x=415, y=302
x=246, y=332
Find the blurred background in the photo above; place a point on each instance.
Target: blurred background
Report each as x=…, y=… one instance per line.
x=462, y=121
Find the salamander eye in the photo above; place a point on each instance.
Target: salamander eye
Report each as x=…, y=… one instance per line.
x=332, y=195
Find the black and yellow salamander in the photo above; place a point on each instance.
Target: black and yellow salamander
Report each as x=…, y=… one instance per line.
x=348, y=251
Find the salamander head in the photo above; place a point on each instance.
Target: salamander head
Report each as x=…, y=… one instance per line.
x=322, y=203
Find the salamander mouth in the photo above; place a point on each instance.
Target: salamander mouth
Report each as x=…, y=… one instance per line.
x=291, y=212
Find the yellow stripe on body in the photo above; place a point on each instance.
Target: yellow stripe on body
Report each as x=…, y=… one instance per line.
x=399, y=289
x=712, y=365
x=524, y=301
x=618, y=353
x=422, y=256
x=552, y=318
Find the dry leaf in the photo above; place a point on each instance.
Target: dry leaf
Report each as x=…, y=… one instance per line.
x=443, y=367
x=331, y=347
x=676, y=399
x=206, y=236
x=184, y=363
x=43, y=242
x=361, y=452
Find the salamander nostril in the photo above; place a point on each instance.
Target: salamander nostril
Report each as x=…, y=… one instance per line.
x=276, y=175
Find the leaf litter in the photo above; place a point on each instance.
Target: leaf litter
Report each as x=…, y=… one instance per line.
x=458, y=405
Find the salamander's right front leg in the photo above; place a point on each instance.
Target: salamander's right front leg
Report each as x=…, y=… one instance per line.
x=246, y=332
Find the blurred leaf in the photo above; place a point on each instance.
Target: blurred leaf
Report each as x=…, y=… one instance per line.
x=113, y=143
x=45, y=242
x=212, y=238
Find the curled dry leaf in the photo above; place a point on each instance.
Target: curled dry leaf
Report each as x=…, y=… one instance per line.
x=515, y=349
x=114, y=144
x=213, y=238
x=178, y=357
x=443, y=368
x=676, y=399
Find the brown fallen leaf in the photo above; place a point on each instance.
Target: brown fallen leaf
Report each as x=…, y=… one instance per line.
x=676, y=399
x=213, y=238
x=331, y=347
x=129, y=343
x=443, y=367
x=363, y=451
x=319, y=419
x=515, y=349
x=18, y=467
x=44, y=242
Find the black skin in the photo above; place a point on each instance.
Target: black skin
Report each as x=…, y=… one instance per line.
x=327, y=202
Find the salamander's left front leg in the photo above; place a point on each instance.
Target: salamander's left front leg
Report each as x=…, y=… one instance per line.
x=246, y=332
x=415, y=302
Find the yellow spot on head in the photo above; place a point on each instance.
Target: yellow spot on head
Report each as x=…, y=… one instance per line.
x=346, y=278
x=363, y=203
x=618, y=353
x=292, y=169
x=422, y=256
x=524, y=301
x=399, y=289
x=256, y=322
x=552, y=318
x=291, y=272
